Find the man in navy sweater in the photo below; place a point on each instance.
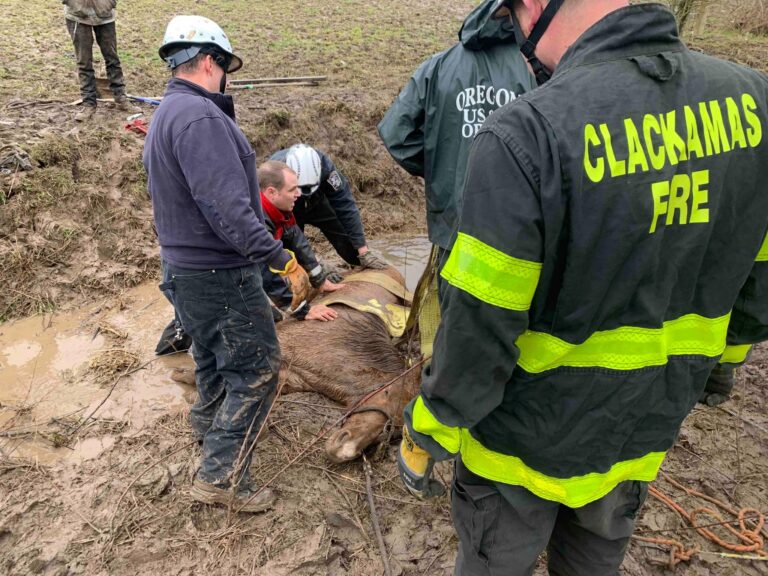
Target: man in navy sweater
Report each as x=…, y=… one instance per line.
x=205, y=196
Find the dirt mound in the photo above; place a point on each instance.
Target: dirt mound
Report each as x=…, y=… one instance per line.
x=78, y=225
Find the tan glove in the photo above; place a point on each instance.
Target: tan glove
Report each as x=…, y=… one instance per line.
x=297, y=280
x=415, y=467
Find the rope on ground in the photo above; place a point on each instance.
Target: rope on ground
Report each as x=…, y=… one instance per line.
x=751, y=538
x=677, y=550
x=375, y=517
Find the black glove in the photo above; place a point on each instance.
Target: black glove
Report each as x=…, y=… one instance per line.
x=415, y=467
x=719, y=386
x=317, y=276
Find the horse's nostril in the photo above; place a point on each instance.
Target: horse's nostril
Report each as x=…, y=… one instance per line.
x=341, y=447
x=343, y=436
x=338, y=438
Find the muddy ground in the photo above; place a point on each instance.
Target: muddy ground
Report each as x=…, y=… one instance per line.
x=107, y=494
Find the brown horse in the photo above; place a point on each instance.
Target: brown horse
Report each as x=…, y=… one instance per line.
x=348, y=358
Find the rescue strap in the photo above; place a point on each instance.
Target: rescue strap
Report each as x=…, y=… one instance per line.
x=393, y=315
x=382, y=280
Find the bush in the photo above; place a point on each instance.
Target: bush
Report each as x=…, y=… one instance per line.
x=751, y=16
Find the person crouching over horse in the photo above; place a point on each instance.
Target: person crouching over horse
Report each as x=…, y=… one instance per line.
x=279, y=188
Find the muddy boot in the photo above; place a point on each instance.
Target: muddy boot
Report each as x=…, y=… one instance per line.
x=87, y=112
x=124, y=105
x=243, y=502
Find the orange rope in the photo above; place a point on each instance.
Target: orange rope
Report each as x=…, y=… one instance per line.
x=751, y=539
x=677, y=551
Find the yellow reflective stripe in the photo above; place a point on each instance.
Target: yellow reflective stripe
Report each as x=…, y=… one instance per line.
x=762, y=256
x=425, y=423
x=626, y=348
x=490, y=275
x=735, y=354
x=573, y=492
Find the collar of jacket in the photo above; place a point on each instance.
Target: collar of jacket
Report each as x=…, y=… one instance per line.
x=281, y=220
x=631, y=31
x=225, y=102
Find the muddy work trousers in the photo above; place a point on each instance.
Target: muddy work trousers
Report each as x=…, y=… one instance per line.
x=82, y=38
x=237, y=359
x=502, y=529
x=317, y=210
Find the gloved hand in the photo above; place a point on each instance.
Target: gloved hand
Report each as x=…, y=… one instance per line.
x=372, y=261
x=415, y=467
x=719, y=386
x=297, y=280
x=332, y=275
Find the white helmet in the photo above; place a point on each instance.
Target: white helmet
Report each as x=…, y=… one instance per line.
x=185, y=36
x=305, y=161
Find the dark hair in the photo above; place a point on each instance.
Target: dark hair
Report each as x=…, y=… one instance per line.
x=271, y=175
x=222, y=59
x=189, y=66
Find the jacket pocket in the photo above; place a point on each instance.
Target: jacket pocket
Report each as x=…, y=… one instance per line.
x=103, y=8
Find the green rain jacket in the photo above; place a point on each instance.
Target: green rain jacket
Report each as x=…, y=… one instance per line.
x=612, y=250
x=430, y=127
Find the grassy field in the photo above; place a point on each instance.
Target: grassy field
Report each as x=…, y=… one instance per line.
x=361, y=44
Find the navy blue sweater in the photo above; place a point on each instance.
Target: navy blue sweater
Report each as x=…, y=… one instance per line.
x=202, y=180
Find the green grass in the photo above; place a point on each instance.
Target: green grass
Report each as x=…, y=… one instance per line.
x=372, y=44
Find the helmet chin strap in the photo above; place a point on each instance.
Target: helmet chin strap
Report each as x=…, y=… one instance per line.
x=528, y=45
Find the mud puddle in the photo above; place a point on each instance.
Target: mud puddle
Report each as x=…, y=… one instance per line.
x=408, y=255
x=47, y=373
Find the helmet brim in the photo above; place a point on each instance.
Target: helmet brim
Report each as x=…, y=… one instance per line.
x=235, y=62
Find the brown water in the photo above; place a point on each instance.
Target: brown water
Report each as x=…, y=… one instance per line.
x=44, y=374
x=408, y=255
x=44, y=361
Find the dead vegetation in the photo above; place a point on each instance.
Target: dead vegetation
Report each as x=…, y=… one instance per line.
x=109, y=363
x=138, y=514
x=128, y=511
x=684, y=9
x=751, y=16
